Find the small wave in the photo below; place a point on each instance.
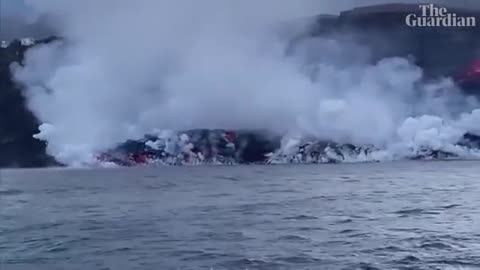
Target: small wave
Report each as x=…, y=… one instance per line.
x=292, y=238
x=456, y=264
x=252, y=264
x=217, y=195
x=367, y=266
x=230, y=178
x=348, y=231
x=409, y=259
x=10, y=192
x=301, y=217
x=415, y=212
x=299, y=259
x=435, y=245
x=451, y=206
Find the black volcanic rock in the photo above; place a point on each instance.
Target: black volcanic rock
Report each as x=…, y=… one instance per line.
x=382, y=28
x=18, y=148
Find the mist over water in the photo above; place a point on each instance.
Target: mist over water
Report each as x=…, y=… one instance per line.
x=126, y=69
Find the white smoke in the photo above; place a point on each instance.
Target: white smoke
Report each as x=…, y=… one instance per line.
x=129, y=67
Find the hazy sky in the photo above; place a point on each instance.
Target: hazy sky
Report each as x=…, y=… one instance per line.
x=14, y=12
x=12, y=7
x=13, y=23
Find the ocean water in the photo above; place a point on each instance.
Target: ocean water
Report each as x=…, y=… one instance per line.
x=403, y=215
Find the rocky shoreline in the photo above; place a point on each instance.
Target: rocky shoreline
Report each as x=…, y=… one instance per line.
x=18, y=125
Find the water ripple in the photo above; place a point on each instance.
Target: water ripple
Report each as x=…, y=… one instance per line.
x=372, y=216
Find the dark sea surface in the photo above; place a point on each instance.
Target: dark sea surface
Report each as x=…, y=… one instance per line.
x=406, y=215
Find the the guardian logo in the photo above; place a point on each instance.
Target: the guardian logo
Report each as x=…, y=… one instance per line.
x=432, y=16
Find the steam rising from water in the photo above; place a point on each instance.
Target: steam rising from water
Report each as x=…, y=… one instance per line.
x=129, y=67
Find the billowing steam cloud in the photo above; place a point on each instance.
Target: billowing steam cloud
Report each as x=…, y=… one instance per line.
x=129, y=67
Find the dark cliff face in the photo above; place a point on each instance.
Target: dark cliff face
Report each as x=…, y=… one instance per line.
x=383, y=28
x=18, y=148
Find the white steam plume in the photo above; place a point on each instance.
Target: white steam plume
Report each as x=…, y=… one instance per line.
x=128, y=67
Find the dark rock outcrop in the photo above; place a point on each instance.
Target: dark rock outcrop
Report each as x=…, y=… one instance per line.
x=18, y=148
x=383, y=29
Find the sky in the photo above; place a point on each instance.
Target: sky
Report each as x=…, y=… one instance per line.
x=12, y=7
x=13, y=23
x=15, y=7
x=14, y=12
